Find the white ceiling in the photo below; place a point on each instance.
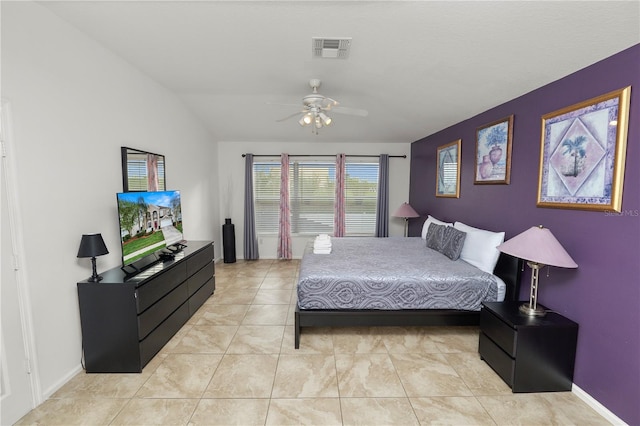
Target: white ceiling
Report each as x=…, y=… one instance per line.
x=416, y=66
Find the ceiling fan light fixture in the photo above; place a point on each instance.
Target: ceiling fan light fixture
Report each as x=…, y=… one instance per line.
x=315, y=108
x=326, y=120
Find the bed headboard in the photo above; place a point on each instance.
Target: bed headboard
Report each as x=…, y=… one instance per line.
x=509, y=269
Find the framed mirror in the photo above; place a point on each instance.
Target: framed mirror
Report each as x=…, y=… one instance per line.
x=142, y=170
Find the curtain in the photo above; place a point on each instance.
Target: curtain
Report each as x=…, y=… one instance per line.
x=382, y=212
x=284, y=227
x=250, y=236
x=339, y=216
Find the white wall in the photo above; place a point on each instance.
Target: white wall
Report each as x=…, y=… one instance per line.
x=231, y=175
x=74, y=105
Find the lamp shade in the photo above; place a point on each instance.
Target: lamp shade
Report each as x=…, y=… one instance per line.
x=92, y=245
x=405, y=210
x=537, y=244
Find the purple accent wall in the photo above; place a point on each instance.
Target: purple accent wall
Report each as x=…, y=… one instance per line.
x=603, y=294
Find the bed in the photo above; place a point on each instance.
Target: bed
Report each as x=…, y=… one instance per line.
x=397, y=282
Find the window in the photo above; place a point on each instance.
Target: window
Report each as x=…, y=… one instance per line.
x=312, y=191
x=266, y=196
x=312, y=186
x=361, y=197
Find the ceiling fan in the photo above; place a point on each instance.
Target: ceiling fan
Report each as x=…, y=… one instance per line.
x=315, y=109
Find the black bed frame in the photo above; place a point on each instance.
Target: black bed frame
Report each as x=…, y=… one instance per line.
x=508, y=269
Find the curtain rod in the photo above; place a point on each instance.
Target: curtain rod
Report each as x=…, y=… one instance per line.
x=323, y=155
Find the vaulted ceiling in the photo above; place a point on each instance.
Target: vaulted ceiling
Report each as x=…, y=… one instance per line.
x=416, y=66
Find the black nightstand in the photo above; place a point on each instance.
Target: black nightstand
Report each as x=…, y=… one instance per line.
x=531, y=354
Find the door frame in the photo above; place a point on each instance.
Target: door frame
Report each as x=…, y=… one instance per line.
x=8, y=179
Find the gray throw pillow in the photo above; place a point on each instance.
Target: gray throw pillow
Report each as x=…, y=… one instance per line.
x=452, y=242
x=435, y=236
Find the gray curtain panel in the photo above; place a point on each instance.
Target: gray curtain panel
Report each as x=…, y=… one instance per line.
x=250, y=236
x=382, y=212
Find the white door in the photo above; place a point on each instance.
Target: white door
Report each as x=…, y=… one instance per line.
x=16, y=390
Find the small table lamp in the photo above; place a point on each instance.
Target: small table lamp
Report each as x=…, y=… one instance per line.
x=406, y=211
x=538, y=247
x=92, y=245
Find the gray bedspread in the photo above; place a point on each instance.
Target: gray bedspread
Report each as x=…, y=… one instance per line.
x=390, y=274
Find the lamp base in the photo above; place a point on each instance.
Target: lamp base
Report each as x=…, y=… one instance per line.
x=94, y=276
x=532, y=311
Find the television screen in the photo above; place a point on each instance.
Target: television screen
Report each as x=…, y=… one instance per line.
x=149, y=221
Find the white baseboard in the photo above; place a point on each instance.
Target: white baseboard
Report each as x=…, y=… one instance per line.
x=598, y=407
x=46, y=394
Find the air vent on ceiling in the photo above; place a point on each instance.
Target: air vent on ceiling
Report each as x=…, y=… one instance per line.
x=335, y=48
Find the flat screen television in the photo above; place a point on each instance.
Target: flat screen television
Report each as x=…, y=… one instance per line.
x=149, y=222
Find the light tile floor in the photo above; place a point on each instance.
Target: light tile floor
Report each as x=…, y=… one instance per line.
x=234, y=363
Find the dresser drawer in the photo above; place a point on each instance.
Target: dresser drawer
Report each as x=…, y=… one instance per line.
x=161, y=335
x=152, y=291
x=199, y=260
x=502, y=363
x=199, y=278
x=201, y=296
x=157, y=313
x=501, y=333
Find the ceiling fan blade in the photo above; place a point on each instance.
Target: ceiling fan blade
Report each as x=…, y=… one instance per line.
x=282, y=104
x=289, y=116
x=328, y=103
x=350, y=111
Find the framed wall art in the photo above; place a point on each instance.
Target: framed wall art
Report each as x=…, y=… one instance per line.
x=493, y=152
x=142, y=170
x=448, y=170
x=582, y=154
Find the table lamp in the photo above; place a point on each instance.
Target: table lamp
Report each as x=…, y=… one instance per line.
x=406, y=211
x=92, y=245
x=538, y=247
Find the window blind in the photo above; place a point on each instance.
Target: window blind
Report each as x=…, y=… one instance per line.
x=138, y=175
x=361, y=198
x=266, y=196
x=312, y=197
x=312, y=188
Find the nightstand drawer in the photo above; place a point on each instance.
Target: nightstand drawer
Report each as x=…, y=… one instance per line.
x=501, y=333
x=502, y=363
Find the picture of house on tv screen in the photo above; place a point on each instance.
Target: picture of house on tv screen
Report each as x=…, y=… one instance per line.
x=149, y=221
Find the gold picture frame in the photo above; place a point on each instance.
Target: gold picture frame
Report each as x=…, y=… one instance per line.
x=493, y=152
x=582, y=154
x=448, y=170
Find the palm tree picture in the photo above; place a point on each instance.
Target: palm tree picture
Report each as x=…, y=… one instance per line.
x=582, y=154
x=574, y=148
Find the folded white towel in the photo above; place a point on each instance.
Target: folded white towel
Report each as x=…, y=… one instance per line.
x=322, y=242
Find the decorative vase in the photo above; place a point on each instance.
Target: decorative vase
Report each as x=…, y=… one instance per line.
x=229, y=241
x=495, y=154
x=486, y=167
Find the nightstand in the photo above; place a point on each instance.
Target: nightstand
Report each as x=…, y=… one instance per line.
x=531, y=354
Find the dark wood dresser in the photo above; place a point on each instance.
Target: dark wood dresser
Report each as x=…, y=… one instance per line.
x=127, y=320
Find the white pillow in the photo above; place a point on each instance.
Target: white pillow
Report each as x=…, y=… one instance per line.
x=479, y=247
x=429, y=221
